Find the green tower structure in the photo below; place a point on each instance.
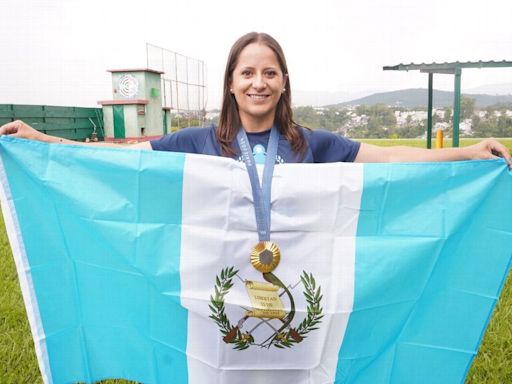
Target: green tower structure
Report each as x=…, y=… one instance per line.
x=135, y=111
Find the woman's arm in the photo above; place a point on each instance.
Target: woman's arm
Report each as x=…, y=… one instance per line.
x=486, y=149
x=19, y=129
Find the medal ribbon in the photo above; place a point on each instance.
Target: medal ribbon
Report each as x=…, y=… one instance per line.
x=261, y=196
x=260, y=193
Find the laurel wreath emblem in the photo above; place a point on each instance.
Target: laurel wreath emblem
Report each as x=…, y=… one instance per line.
x=285, y=339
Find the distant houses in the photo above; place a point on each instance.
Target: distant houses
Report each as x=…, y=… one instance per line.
x=396, y=121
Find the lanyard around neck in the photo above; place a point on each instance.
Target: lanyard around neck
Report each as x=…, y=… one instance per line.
x=260, y=193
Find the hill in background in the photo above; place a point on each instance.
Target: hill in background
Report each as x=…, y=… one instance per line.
x=418, y=97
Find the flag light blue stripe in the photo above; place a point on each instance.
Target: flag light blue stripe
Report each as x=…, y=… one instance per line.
x=113, y=240
x=422, y=299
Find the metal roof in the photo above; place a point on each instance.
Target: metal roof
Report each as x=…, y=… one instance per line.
x=433, y=67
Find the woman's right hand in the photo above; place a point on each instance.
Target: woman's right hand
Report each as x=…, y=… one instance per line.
x=19, y=129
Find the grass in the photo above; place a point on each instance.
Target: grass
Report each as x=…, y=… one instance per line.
x=18, y=361
x=17, y=357
x=422, y=143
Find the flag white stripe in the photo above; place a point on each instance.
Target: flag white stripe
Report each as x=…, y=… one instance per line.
x=219, y=231
x=25, y=278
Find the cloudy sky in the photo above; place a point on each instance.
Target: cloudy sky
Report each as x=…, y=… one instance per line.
x=56, y=52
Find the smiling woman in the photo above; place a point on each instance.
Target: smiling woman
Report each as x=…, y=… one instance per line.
x=257, y=84
x=257, y=92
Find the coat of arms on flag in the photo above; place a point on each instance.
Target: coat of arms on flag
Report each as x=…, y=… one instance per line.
x=268, y=309
x=137, y=265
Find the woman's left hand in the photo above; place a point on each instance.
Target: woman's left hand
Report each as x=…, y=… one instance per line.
x=489, y=149
x=486, y=149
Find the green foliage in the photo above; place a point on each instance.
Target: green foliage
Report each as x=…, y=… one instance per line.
x=448, y=114
x=498, y=107
x=382, y=123
x=313, y=295
x=178, y=123
x=411, y=130
x=493, y=126
x=492, y=363
x=436, y=119
x=380, y=113
x=18, y=362
x=379, y=121
x=223, y=283
x=467, y=107
x=330, y=118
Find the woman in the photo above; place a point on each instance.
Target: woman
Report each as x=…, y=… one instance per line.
x=257, y=95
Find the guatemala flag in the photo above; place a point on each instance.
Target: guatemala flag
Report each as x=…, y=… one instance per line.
x=136, y=264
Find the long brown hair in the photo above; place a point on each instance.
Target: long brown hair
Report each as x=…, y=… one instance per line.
x=229, y=122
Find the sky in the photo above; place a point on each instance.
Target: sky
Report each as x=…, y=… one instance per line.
x=57, y=52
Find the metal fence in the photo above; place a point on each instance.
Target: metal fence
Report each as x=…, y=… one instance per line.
x=75, y=123
x=183, y=82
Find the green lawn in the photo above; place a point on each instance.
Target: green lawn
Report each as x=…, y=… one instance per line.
x=423, y=143
x=18, y=362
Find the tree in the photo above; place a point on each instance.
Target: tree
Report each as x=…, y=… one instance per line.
x=411, y=131
x=494, y=126
x=306, y=116
x=467, y=107
x=448, y=114
x=381, y=121
x=475, y=122
x=435, y=118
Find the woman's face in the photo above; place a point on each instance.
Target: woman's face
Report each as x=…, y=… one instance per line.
x=257, y=84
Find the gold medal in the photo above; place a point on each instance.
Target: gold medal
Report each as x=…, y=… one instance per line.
x=265, y=256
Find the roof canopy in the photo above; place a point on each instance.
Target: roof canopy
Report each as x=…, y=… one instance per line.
x=447, y=67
